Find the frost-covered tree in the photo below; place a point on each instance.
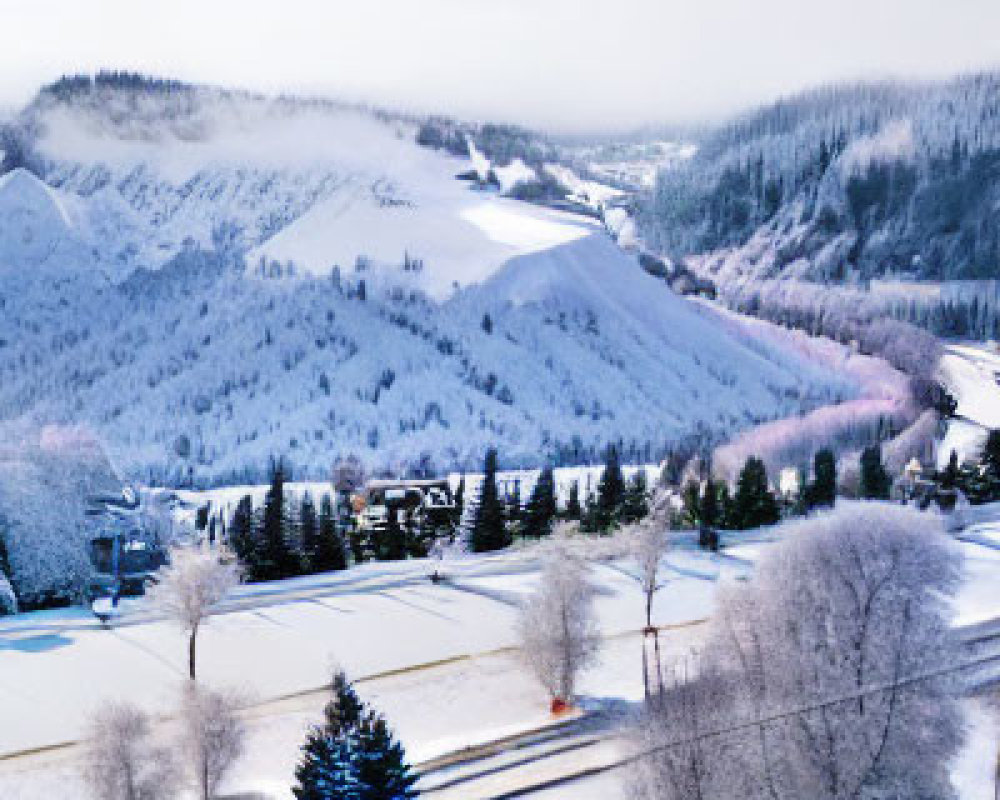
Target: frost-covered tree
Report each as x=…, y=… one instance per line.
x=557, y=625
x=212, y=737
x=188, y=588
x=121, y=760
x=47, y=477
x=820, y=670
x=647, y=543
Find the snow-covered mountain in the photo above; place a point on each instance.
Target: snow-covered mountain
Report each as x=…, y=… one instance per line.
x=841, y=184
x=210, y=278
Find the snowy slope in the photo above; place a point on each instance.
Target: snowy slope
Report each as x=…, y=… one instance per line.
x=213, y=330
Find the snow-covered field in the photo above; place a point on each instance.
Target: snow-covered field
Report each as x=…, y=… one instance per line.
x=972, y=374
x=439, y=660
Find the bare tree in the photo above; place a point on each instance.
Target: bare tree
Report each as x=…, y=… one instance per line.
x=187, y=589
x=646, y=543
x=814, y=658
x=212, y=736
x=558, y=628
x=122, y=762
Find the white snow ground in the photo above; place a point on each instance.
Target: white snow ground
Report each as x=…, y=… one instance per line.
x=972, y=374
x=438, y=660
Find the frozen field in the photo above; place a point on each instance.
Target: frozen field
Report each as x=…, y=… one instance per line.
x=439, y=660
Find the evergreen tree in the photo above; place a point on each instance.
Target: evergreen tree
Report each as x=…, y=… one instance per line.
x=691, y=499
x=352, y=755
x=981, y=484
x=488, y=530
x=822, y=492
x=754, y=505
x=328, y=769
x=243, y=538
x=513, y=512
x=611, y=489
x=950, y=474
x=390, y=542
x=875, y=481
x=725, y=507
x=330, y=552
x=541, y=510
x=383, y=773
x=573, y=509
x=308, y=534
x=708, y=512
x=277, y=559
x=708, y=506
x=459, y=502
x=330, y=764
x=635, y=501
x=991, y=458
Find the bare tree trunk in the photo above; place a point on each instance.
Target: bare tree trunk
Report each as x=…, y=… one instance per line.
x=645, y=666
x=191, y=651
x=659, y=661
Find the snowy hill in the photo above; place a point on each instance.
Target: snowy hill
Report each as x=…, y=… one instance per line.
x=842, y=183
x=232, y=277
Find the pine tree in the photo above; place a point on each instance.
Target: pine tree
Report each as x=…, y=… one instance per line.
x=328, y=769
x=708, y=506
x=330, y=552
x=308, y=534
x=611, y=489
x=822, y=492
x=573, y=509
x=488, y=531
x=459, y=502
x=754, y=505
x=277, y=559
x=541, y=510
x=513, y=512
x=635, y=501
x=330, y=764
x=708, y=517
x=949, y=475
x=243, y=538
x=383, y=773
x=343, y=713
x=991, y=458
x=691, y=499
x=352, y=755
x=875, y=481
x=390, y=542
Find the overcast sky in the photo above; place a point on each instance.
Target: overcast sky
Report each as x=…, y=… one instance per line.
x=560, y=64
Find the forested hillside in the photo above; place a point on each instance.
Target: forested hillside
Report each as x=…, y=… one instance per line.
x=843, y=183
x=207, y=279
